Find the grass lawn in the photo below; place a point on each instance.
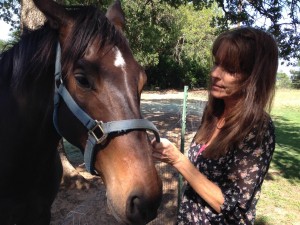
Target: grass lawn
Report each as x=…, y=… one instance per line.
x=280, y=199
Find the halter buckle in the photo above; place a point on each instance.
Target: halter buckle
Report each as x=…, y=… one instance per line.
x=97, y=132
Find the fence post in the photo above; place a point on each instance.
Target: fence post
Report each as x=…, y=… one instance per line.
x=183, y=127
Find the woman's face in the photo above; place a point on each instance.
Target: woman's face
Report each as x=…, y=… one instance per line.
x=225, y=85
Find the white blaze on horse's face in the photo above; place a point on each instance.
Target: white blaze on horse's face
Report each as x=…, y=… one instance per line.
x=119, y=60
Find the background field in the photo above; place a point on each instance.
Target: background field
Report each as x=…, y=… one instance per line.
x=280, y=199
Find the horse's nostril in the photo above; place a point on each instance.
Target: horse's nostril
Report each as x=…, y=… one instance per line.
x=139, y=211
x=136, y=207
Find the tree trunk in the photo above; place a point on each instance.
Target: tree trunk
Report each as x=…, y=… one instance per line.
x=31, y=17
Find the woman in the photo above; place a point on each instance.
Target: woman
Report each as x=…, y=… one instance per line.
x=232, y=149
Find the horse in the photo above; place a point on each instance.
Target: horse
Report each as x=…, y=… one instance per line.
x=74, y=77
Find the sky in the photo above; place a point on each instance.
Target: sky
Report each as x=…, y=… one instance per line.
x=4, y=30
x=4, y=35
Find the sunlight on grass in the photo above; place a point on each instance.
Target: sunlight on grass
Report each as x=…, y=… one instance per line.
x=280, y=199
x=287, y=97
x=279, y=202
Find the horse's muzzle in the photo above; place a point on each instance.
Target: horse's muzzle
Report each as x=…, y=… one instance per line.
x=140, y=210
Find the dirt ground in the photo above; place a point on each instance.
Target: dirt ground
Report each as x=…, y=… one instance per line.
x=85, y=204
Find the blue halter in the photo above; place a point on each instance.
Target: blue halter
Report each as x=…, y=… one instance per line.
x=97, y=130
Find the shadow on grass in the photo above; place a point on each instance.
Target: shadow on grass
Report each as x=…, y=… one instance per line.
x=286, y=156
x=166, y=114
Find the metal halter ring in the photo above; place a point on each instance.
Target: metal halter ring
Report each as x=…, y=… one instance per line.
x=98, y=132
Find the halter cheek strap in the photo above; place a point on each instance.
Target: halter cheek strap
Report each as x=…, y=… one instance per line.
x=97, y=130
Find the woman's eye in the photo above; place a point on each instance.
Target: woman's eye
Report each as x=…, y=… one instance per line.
x=231, y=72
x=82, y=81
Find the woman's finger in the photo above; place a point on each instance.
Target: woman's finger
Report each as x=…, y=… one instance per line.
x=153, y=141
x=157, y=155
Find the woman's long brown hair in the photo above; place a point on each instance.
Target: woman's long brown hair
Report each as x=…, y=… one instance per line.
x=253, y=54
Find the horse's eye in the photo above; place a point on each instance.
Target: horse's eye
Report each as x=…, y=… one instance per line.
x=82, y=81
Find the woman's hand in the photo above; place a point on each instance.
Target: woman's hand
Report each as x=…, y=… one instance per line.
x=166, y=152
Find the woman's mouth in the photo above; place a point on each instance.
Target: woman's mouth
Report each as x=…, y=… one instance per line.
x=217, y=87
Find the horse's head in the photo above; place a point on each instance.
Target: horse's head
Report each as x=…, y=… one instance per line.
x=104, y=80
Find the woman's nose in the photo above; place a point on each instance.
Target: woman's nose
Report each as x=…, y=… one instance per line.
x=216, y=72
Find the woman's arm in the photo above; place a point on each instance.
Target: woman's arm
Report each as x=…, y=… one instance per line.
x=244, y=173
x=166, y=152
x=206, y=189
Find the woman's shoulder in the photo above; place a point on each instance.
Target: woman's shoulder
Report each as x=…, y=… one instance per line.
x=259, y=134
x=261, y=128
x=268, y=127
x=270, y=124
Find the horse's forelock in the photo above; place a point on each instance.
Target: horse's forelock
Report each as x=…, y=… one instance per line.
x=89, y=24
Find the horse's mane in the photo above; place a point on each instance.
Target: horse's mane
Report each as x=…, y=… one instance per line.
x=26, y=64
x=27, y=60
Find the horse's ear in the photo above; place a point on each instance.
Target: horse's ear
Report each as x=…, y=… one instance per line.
x=56, y=14
x=116, y=15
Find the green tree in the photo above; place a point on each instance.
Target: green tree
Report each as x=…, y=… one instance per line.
x=13, y=39
x=173, y=44
x=10, y=12
x=283, y=80
x=150, y=28
x=296, y=76
x=2, y=45
x=193, y=49
x=281, y=18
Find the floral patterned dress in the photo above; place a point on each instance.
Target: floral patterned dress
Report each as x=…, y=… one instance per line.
x=239, y=174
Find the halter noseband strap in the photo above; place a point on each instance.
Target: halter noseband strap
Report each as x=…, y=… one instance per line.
x=97, y=130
